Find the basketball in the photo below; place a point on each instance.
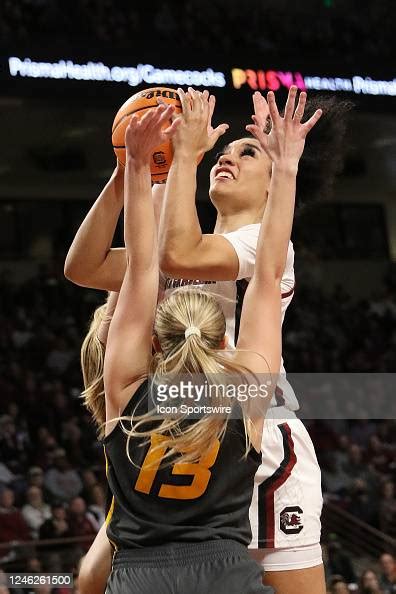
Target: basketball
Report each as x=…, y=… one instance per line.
x=138, y=104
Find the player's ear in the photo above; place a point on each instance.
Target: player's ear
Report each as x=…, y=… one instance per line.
x=223, y=343
x=156, y=344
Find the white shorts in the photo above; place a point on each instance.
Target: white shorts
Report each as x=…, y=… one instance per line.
x=287, y=497
x=302, y=557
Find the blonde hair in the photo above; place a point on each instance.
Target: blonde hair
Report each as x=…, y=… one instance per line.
x=92, y=359
x=183, y=353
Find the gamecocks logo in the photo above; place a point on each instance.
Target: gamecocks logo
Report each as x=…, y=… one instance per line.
x=159, y=158
x=291, y=520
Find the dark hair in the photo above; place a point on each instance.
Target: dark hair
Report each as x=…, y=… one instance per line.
x=324, y=151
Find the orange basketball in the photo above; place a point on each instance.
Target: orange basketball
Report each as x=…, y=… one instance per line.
x=138, y=104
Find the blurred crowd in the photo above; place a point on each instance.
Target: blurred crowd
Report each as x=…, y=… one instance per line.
x=51, y=464
x=336, y=333
x=358, y=464
x=338, y=28
x=52, y=483
x=343, y=580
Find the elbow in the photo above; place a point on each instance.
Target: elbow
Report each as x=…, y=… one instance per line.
x=75, y=273
x=72, y=272
x=170, y=262
x=269, y=279
x=278, y=275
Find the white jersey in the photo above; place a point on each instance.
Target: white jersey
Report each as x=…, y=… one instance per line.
x=230, y=295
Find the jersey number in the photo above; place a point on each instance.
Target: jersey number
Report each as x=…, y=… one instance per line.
x=199, y=470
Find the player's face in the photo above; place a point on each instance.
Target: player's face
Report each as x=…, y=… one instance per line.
x=241, y=175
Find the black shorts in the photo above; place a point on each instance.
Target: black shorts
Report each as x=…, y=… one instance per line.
x=214, y=567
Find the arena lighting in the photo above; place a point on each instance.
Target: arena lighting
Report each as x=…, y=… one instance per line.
x=97, y=71
x=272, y=80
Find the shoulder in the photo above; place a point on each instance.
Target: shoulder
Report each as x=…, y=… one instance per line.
x=244, y=241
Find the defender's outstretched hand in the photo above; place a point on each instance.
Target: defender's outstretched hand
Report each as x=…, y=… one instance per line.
x=146, y=133
x=285, y=143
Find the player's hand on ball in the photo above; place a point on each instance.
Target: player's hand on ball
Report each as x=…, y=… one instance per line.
x=196, y=134
x=285, y=143
x=144, y=134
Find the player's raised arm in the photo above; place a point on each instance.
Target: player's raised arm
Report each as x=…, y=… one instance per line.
x=128, y=347
x=91, y=261
x=184, y=251
x=260, y=325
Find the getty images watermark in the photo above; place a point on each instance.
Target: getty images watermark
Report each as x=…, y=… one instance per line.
x=223, y=395
x=311, y=396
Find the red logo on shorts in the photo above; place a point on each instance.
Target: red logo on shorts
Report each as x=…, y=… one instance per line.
x=291, y=520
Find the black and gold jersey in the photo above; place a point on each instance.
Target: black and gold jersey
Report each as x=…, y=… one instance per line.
x=155, y=503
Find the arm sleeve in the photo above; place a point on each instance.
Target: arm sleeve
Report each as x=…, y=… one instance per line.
x=244, y=242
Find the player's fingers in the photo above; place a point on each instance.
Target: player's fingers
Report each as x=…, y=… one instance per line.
x=152, y=118
x=313, y=120
x=273, y=108
x=159, y=110
x=163, y=105
x=166, y=117
x=166, y=113
x=219, y=131
x=202, y=103
x=258, y=133
x=291, y=99
x=260, y=105
x=205, y=107
x=133, y=121
x=262, y=123
x=155, y=113
x=195, y=99
x=184, y=100
x=144, y=121
x=256, y=101
x=132, y=129
x=212, y=104
x=170, y=130
x=298, y=114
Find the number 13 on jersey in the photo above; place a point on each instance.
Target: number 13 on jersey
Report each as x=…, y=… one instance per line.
x=200, y=471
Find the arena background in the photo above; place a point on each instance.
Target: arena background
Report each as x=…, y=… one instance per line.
x=56, y=117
